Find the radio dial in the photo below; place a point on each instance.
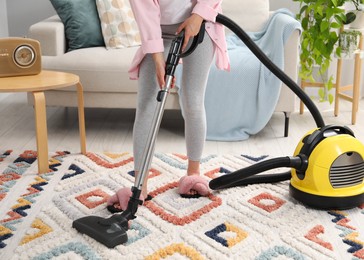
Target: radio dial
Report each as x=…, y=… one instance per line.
x=24, y=56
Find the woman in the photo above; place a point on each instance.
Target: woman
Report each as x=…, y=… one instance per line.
x=159, y=21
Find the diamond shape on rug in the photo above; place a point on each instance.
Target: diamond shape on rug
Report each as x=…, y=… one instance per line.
x=93, y=198
x=228, y=236
x=218, y=232
x=180, y=213
x=85, y=199
x=267, y=202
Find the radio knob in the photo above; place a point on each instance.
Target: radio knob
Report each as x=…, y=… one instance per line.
x=24, y=56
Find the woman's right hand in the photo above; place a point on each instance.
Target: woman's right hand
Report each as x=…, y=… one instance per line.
x=160, y=68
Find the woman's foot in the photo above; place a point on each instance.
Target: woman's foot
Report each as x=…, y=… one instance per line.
x=193, y=185
x=119, y=201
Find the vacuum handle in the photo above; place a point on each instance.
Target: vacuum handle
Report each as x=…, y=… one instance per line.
x=337, y=129
x=175, y=52
x=196, y=41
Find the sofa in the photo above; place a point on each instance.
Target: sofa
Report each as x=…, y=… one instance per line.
x=104, y=72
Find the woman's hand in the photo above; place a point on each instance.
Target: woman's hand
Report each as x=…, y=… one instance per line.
x=160, y=68
x=191, y=26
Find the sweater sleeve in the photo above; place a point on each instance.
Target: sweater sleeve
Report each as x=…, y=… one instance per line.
x=147, y=15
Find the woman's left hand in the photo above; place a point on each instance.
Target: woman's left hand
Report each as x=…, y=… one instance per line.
x=191, y=26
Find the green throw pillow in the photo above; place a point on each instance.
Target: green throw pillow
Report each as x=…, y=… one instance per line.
x=81, y=22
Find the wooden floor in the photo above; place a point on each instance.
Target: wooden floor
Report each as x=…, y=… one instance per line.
x=110, y=130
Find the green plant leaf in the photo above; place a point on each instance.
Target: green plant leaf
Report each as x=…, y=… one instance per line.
x=304, y=23
x=350, y=17
x=340, y=18
x=331, y=98
x=338, y=52
x=303, y=9
x=324, y=26
x=335, y=25
x=321, y=93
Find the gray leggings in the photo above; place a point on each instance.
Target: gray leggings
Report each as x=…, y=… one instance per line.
x=196, y=68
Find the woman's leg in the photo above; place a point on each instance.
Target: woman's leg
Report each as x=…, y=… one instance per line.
x=146, y=105
x=196, y=69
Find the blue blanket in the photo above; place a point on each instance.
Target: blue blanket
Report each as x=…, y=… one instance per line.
x=240, y=103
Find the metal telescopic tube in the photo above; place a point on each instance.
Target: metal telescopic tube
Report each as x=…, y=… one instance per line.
x=149, y=149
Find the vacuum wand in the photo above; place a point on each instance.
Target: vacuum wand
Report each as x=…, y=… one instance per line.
x=171, y=64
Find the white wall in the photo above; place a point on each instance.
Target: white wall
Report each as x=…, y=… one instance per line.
x=23, y=13
x=3, y=19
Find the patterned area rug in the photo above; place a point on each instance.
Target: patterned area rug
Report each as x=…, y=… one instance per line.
x=253, y=222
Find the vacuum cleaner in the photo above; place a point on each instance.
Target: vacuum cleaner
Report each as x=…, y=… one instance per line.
x=327, y=167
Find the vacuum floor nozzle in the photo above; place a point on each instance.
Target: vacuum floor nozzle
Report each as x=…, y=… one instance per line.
x=109, y=232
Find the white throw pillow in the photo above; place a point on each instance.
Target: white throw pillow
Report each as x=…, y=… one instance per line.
x=118, y=25
x=250, y=15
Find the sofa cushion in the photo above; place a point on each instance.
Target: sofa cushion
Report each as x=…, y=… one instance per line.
x=118, y=25
x=81, y=22
x=100, y=70
x=252, y=20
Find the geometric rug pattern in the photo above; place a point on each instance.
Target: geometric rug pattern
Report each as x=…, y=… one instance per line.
x=253, y=222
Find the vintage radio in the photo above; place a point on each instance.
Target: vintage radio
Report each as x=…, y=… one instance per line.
x=19, y=57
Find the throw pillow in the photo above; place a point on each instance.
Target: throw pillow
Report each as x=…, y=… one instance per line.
x=81, y=22
x=118, y=25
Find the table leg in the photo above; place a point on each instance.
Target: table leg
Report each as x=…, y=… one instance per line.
x=356, y=85
x=337, y=86
x=81, y=117
x=41, y=131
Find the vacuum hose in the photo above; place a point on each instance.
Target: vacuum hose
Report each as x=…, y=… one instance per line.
x=245, y=176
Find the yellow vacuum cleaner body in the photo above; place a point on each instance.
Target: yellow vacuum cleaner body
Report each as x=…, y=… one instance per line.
x=334, y=177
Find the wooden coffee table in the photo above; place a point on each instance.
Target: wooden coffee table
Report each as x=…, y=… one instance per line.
x=37, y=84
